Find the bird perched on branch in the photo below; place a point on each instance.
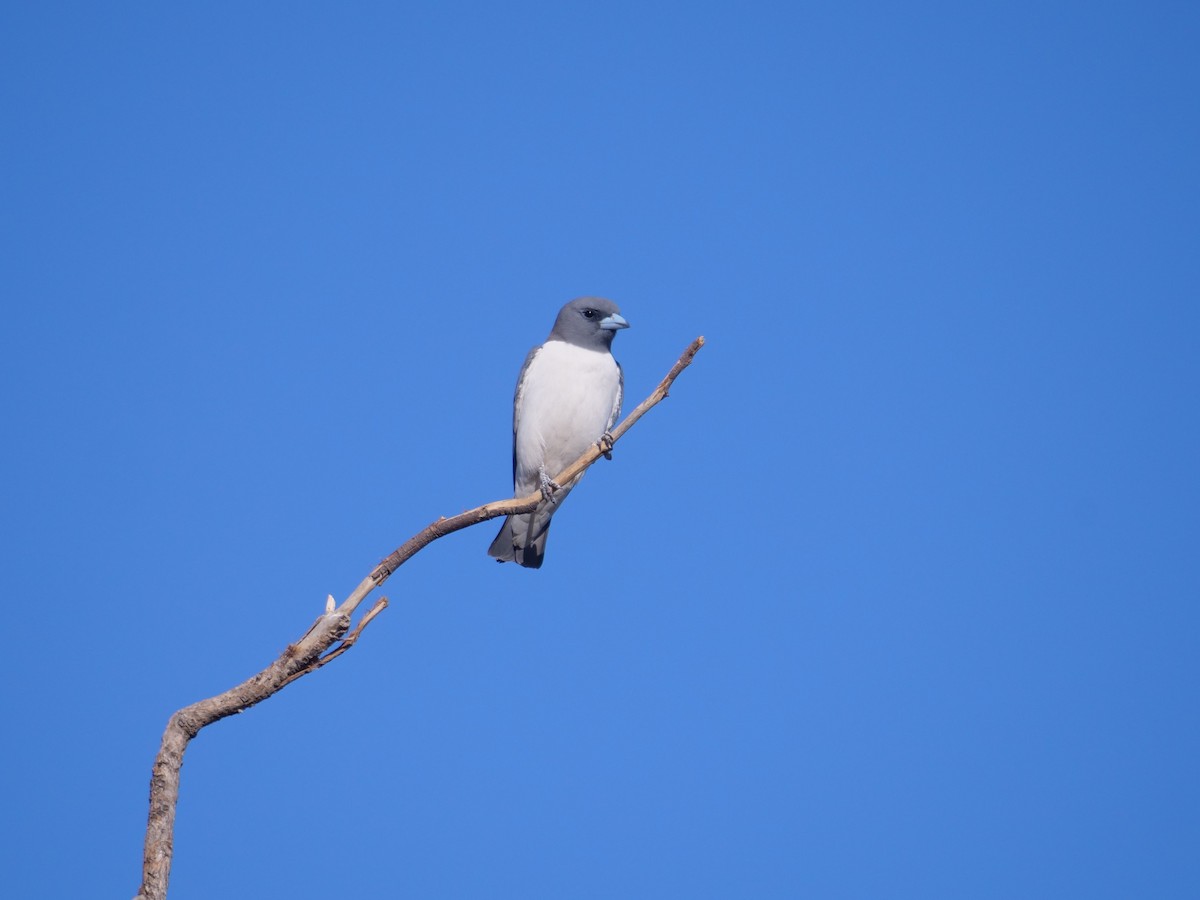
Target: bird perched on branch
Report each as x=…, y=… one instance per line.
x=568, y=397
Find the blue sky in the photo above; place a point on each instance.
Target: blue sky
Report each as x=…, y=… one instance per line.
x=895, y=596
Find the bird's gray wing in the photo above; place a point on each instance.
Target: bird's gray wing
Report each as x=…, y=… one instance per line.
x=620, y=395
x=518, y=396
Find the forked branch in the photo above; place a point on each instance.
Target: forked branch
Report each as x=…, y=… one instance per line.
x=313, y=650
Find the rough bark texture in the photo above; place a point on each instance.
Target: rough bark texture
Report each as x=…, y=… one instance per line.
x=316, y=648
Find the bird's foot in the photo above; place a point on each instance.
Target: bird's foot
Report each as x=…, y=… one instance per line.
x=548, y=485
x=606, y=444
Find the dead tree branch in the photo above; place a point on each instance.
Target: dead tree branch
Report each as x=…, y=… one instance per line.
x=313, y=650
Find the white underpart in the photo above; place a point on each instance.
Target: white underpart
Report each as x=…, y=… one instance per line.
x=565, y=404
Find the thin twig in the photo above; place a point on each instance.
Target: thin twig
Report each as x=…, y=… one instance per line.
x=313, y=651
x=347, y=642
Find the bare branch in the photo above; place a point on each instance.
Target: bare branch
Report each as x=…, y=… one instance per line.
x=313, y=651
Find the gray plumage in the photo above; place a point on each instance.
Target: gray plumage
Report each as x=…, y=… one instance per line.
x=568, y=396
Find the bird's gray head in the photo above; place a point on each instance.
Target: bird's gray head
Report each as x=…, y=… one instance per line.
x=588, y=322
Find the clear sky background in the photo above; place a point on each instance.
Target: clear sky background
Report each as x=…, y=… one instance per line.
x=897, y=594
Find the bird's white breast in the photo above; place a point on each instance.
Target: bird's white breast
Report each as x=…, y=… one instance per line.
x=565, y=403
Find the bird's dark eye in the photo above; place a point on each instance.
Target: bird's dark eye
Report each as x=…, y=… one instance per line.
x=589, y=314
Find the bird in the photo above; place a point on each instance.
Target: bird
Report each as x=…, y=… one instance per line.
x=568, y=397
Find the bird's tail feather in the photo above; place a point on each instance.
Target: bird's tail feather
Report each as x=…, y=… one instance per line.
x=522, y=539
x=516, y=543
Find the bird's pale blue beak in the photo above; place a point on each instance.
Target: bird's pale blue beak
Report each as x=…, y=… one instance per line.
x=615, y=322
